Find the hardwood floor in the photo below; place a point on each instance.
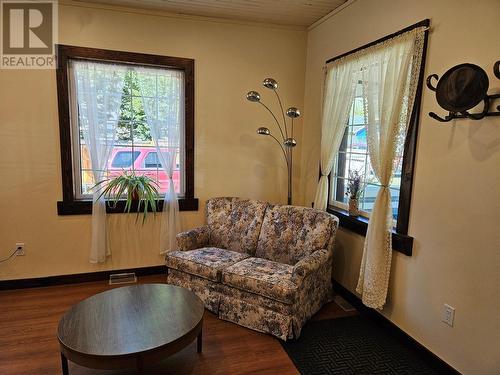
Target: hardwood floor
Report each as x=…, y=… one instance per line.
x=28, y=343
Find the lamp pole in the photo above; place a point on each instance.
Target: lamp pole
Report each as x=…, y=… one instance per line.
x=286, y=142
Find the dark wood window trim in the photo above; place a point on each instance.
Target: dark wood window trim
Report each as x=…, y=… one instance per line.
x=69, y=205
x=400, y=240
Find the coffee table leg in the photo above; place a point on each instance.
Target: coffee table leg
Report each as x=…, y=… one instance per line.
x=199, y=341
x=64, y=365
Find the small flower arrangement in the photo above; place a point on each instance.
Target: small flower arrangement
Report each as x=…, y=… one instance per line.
x=354, y=185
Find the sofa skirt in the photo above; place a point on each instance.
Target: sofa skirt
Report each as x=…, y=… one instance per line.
x=207, y=290
x=247, y=309
x=258, y=318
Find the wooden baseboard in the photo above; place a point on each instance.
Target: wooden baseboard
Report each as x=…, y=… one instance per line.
x=76, y=278
x=433, y=360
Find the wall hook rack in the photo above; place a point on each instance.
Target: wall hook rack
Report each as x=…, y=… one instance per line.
x=461, y=88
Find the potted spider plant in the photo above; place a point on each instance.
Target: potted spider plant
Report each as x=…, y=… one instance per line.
x=140, y=191
x=354, y=190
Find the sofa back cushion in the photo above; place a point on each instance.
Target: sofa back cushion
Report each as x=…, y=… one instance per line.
x=217, y=212
x=235, y=223
x=291, y=233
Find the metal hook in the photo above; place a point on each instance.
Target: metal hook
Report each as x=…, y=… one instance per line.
x=478, y=116
x=440, y=119
x=462, y=111
x=429, y=83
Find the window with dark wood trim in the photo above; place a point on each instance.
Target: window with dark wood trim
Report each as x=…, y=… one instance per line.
x=71, y=205
x=400, y=240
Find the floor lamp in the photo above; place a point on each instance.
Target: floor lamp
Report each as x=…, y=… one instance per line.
x=286, y=142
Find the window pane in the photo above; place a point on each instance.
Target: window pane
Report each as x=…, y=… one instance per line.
x=124, y=159
x=340, y=190
x=148, y=86
x=356, y=163
x=86, y=175
x=367, y=199
x=357, y=117
x=148, y=164
x=395, y=203
x=358, y=139
x=151, y=161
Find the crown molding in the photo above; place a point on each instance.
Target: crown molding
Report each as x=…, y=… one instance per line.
x=161, y=13
x=331, y=14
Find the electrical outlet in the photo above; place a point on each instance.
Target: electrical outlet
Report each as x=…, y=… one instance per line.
x=20, y=249
x=448, y=314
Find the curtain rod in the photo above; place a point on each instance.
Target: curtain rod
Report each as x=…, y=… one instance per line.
x=425, y=23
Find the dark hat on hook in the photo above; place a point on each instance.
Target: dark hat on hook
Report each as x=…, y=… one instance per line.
x=462, y=87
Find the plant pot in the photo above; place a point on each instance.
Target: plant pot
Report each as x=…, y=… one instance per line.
x=134, y=195
x=353, y=207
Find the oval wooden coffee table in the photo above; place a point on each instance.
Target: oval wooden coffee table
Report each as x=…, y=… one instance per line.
x=129, y=327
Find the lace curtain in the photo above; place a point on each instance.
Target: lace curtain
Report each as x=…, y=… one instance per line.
x=98, y=96
x=339, y=89
x=389, y=72
x=163, y=97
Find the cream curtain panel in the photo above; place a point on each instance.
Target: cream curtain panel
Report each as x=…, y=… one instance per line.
x=339, y=90
x=98, y=99
x=162, y=96
x=389, y=73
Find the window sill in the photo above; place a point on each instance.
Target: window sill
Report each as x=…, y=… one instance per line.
x=400, y=242
x=85, y=207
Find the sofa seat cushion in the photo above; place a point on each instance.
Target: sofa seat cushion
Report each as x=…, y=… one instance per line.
x=263, y=277
x=207, y=262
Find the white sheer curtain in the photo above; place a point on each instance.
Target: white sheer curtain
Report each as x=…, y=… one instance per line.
x=163, y=99
x=390, y=76
x=339, y=89
x=98, y=96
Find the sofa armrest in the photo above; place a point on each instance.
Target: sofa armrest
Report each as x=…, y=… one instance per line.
x=193, y=239
x=309, y=265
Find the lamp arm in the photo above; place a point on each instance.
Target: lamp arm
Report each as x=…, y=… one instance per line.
x=282, y=149
x=275, y=119
x=282, y=111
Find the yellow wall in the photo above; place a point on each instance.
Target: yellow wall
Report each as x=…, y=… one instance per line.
x=455, y=200
x=231, y=58
x=455, y=203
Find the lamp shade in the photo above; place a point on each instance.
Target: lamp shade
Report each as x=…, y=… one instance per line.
x=253, y=96
x=290, y=142
x=270, y=83
x=263, y=131
x=293, y=112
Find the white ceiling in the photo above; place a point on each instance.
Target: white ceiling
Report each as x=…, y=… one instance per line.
x=283, y=12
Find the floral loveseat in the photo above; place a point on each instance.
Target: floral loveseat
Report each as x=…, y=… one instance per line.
x=266, y=267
